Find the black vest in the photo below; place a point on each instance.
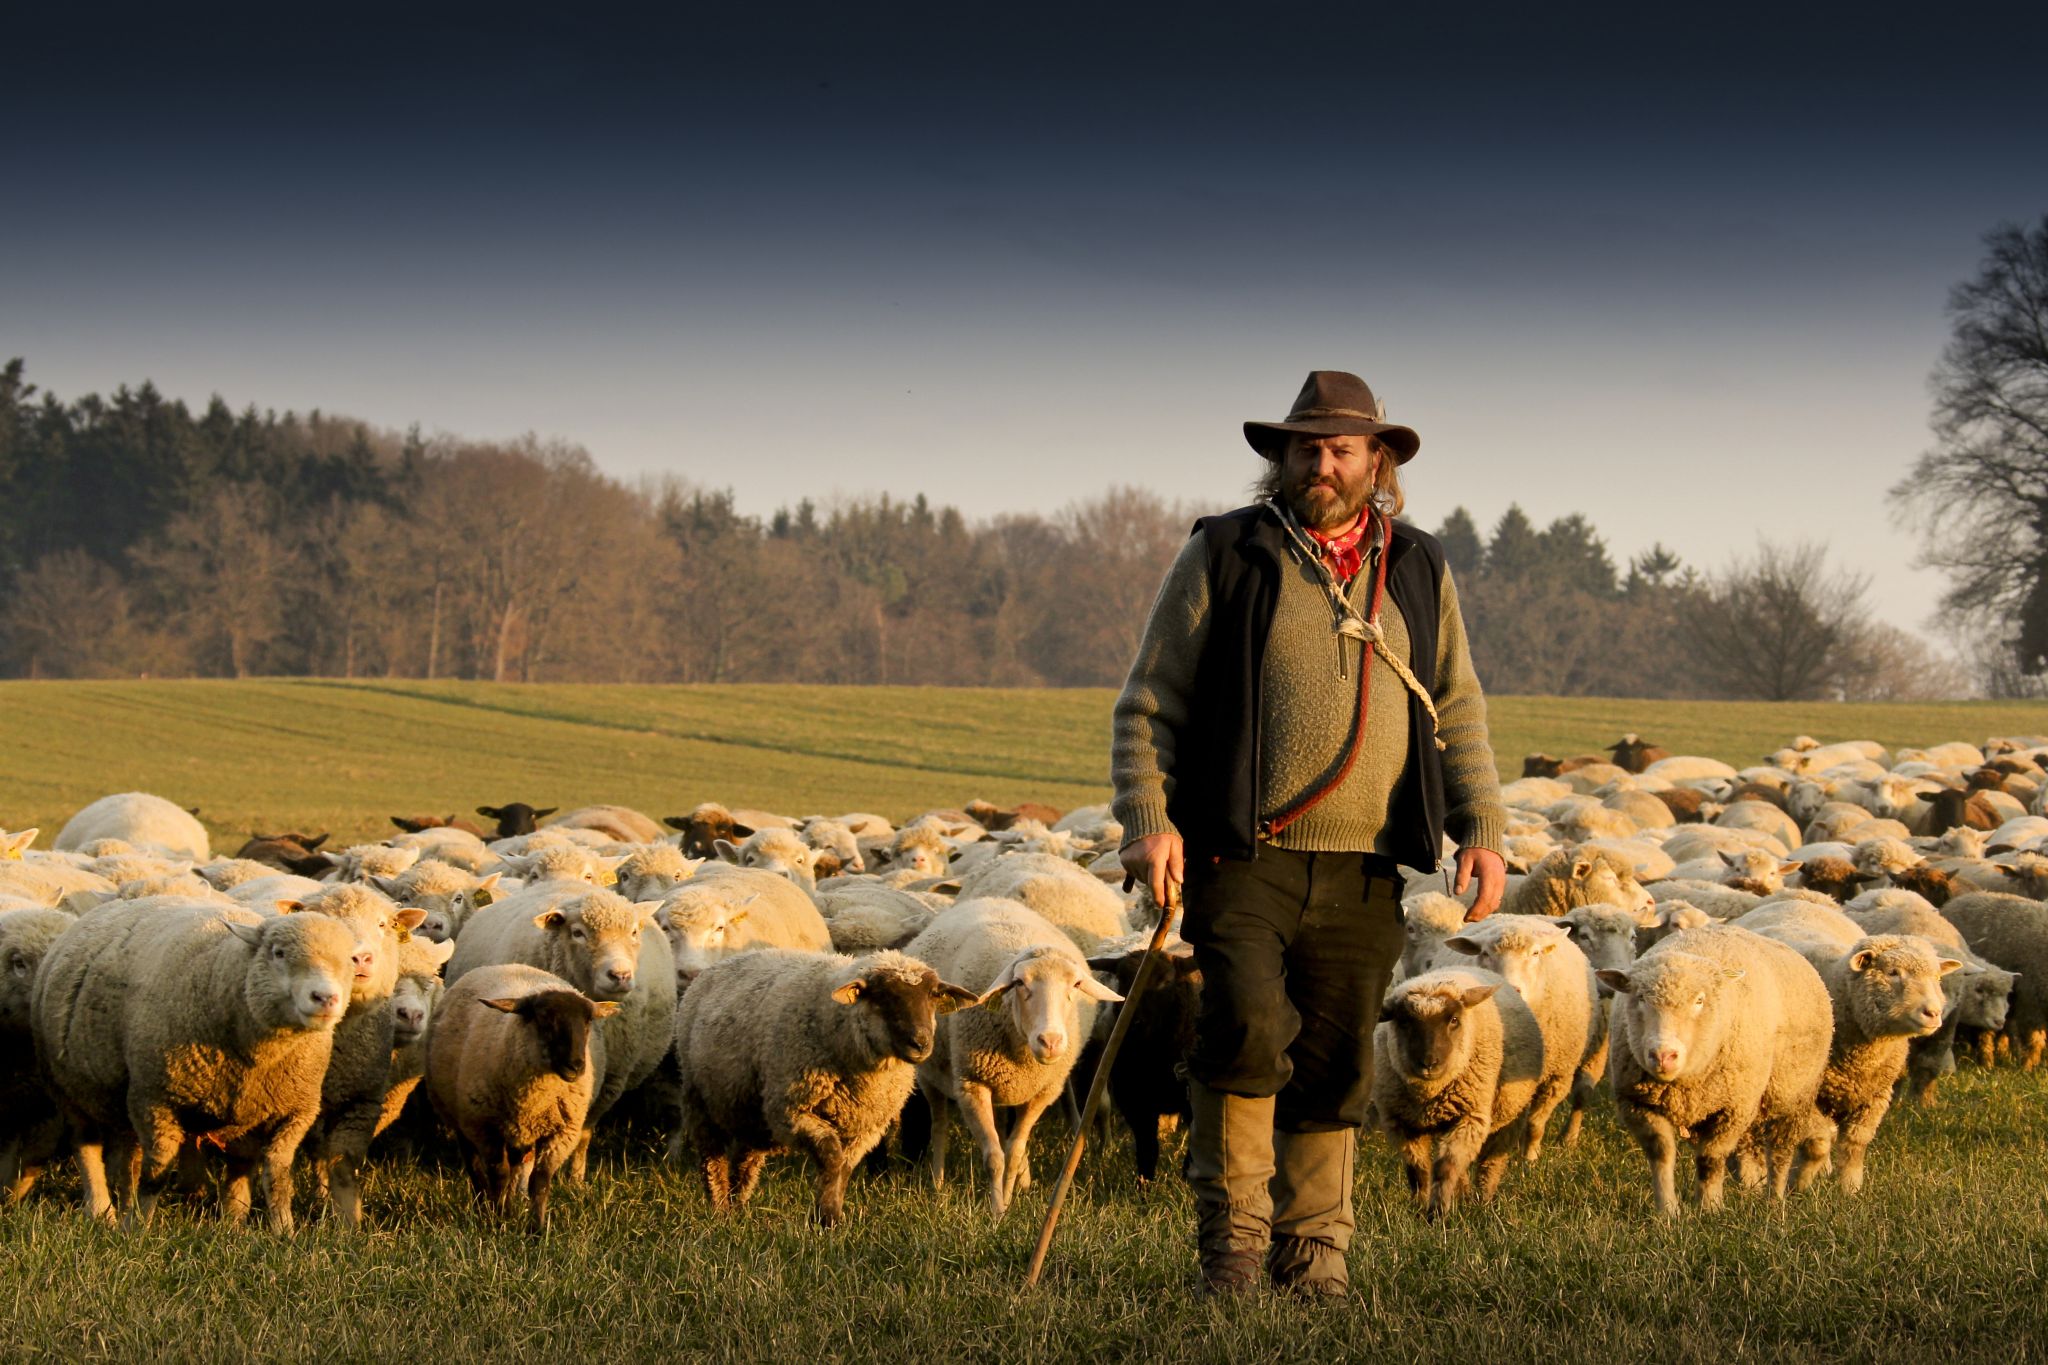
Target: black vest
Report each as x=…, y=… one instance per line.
x=1215, y=801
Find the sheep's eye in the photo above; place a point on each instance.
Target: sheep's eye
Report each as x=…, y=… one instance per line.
x=577, y=932
x=277, y=953
x=1455, y=1021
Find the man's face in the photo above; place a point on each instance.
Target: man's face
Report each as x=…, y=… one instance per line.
x=1327, y=480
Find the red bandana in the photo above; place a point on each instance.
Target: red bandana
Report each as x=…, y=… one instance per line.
x=1341, y=551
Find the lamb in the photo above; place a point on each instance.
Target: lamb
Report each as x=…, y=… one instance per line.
x=594, y=941
x=1632, y=754
x=834, y=849
x=31, y=1130
x=2012, y=932
x=513, y=1061
x=1427, y=919
x=725, y=910
x=868, y=917
x=1886, y=991
x=298, y=854
x=1564, y=880
x=446, y=894
x=145, y=821
x=1085, y=909
x=806, y=1052
x=773, y=850
x=1721, y=1035
x=652, y=872
x=1145, y=1082
x=413, y=1000
x=921, y=848
x=359, y=1069
x=367, y=862
x=129, y=991
x=1556, y=982
x=1459, y=1058
x=703, y=827
x=1017, y=1053
x=1979, y=994
x=515, y=818
x=621, y=824
x=1606, y=934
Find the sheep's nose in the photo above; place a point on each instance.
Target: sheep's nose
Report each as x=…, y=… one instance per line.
x=1666, y=1058
x=622, y=977
x=324, y=1000
x=364, y=961
x=412, y=1018
x=1049, y=1044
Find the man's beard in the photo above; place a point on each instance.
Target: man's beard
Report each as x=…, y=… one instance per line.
x=1322, y=507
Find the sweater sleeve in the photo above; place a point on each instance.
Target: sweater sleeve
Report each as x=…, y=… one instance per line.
x=1155, y=700
x=1474, y=816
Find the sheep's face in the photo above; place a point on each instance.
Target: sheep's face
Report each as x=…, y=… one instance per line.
x=1882, y=857
x=1678, y=1008
x=1985, y=996
x=773, y=850
x=1754, y=871
x=1605, y=934
x=418, y=989
x=1429, y=1020
x=26, y=936
x=561, y=1022
x=1596, y=880
x=515, y=819
x=924, y=857
x=653, y=873
x=833, y=842
x=594, y=942
x=299, y=971
x=1039, y=993
x=701, y=929
x=896, y=1008
x=1522, y=954
x=1894, y=985
x=375, y=924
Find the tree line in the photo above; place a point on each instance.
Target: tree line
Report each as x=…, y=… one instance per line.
x=138, y=537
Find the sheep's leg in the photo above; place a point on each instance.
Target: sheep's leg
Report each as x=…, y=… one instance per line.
x=1858, y=1131
x=1811, y=1157
x=1493, y=1158
x=977, y=1111
x=579, y=1161
x=822, y=1141
x=1144, y=1143
x=128, y=1170
x=92, y=1169
x=717, y=1170
x=747, y=1174
x=158, y=1136
x=1017, y=1153
x=941, y=1112
x=1986, y=1050
x=2032, y=1043
x=237, y=1193
x=1415, y=1161
x=497, y=1175
x=1658, y=1138
x=539, y=1177
x=1715, y=1140
x=1455, y=1153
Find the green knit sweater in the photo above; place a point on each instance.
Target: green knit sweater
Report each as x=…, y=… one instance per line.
x=1309, y=685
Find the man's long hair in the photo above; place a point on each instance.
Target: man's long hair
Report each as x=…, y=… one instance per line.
x=1386, y=486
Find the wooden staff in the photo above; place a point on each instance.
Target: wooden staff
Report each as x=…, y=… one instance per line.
x=1124, y=1015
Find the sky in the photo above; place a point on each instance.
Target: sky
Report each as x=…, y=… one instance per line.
x=1685, y=275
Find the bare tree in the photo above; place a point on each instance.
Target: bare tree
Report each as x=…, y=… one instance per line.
x=1780, y=626
x=221, y=570
x=1982, y=493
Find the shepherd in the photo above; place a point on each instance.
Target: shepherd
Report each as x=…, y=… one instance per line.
x=1301, y=723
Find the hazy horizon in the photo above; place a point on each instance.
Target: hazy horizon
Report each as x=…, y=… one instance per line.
x=1685, y=279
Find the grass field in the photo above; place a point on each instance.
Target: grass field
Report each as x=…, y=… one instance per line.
x=1944, y=1257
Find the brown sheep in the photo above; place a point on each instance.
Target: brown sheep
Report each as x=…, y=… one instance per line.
x=295, y=853
x=1935, y=883
x=415, y=823
x=1684, y=803
x=515, y=819
x=992, y=817
x=1629, y=752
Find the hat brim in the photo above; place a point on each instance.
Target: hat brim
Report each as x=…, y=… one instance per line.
x=1270, y=438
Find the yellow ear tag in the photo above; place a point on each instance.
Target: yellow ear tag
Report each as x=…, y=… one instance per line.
x=607, y=877
x=480, y=898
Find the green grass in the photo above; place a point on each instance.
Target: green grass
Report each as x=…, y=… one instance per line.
x=1943, y=1257
x=345, y=756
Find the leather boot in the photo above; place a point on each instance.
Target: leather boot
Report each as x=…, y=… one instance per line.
x=1312, y=1218
x=1229, y=1165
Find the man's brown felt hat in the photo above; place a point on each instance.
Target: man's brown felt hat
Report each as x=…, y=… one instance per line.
x=1333, y=403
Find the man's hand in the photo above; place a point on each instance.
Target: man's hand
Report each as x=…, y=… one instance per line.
x=1158, y=858
x=1493, y=880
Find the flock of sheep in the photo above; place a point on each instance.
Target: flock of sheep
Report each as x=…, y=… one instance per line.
x=1754, y=961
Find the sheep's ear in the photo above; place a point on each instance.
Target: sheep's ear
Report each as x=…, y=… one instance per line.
x=2009, y=869
x=742, y=831
x=1478, y=995
x=737, y=914
x=726, y=849
x=1727, y=858
x=648, y=910
x=1614, y=978
x=388, y=885
x=949, y=887
x=411, y=918
x=1787, y=869
x=312, y=845
x=1549, y=944
x=996, y=992
x=1581, y=867
x=676, y=822
x=603, y=1009
x=550, y=919
x=439, y=953
x=1095, y=990
x=545, y=812
x=1733, y=973
x=1389, y=1011
x=850, y=992
x=952, y=997
x=409, y=826
x=248, y=933
x=290, y=907
x=1471, y=947
x=489, y=812
x=510, y=1006
x=1949, y=964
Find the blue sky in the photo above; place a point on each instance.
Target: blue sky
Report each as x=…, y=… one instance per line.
x=1685, y=276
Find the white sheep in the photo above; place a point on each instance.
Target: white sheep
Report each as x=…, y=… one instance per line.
x=725, y=910
x=1017, y=1051
x=620, y=824
x=1539, y=959
x=809, y=1052
x=131, y=991
x=868, y=917
x=136, y=818
x=1088, y=911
